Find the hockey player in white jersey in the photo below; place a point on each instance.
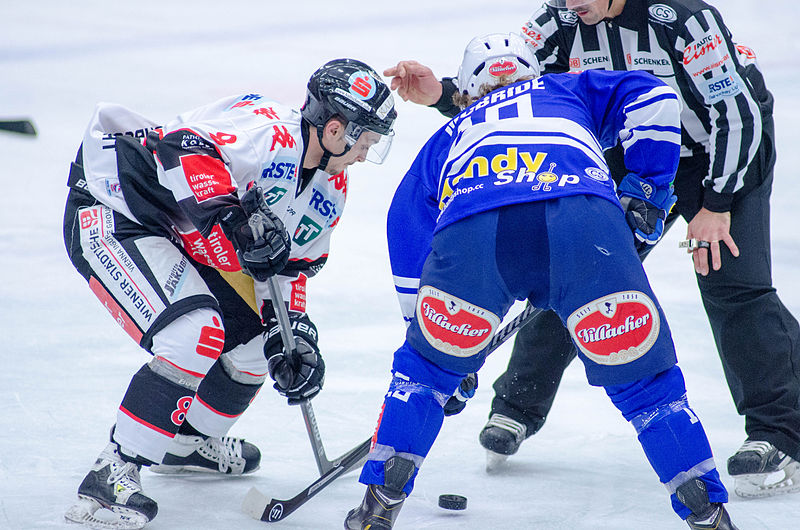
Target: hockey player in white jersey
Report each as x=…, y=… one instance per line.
x=177, y=230
x=512, y=200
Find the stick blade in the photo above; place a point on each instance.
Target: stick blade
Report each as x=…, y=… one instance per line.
x=18, y=126
x=254, y=504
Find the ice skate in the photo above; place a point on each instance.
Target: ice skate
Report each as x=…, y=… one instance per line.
x=110, y=496
x=761, y=470
x=381, y=504
x=705, y=515
x=189, y=454
x=501, y=437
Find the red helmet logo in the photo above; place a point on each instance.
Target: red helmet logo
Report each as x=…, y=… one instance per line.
x=503, y=67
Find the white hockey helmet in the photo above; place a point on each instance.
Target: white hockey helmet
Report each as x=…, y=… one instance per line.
x=489, y=57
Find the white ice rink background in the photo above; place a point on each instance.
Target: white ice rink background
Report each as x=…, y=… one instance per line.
x=65, y=364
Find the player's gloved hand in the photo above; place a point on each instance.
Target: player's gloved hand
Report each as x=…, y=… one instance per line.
x=646, y=208
x=465, y=391
x=258, y=235
x=298, y=375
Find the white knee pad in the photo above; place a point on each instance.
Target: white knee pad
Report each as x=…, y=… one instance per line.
x=246, y=363
x=187, y=347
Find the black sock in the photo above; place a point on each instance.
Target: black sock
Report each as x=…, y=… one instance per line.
x=187, y=430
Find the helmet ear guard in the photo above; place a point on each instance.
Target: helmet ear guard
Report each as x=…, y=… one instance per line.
x=490, y=57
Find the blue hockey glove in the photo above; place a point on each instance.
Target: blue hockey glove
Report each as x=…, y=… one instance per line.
x=258, y=235
x=298, y=375
x=646, y=208
x=465, y=391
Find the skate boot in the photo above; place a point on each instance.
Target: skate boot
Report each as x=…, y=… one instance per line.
x=501, y=437
x=705, y=515
x=231, y=456
x=381, y=504
x=115, y=485
x=761, y=470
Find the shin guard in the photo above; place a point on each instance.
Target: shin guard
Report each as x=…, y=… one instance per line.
x=412, y=415
x=220, y=400
x=150, y=414
x=670, y=433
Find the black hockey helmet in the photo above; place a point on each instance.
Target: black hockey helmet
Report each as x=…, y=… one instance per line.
x=353, y=91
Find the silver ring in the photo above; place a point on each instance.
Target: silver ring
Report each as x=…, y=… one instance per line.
x=694, y=244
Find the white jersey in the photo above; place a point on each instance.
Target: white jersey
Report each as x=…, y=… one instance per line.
x=205, y=159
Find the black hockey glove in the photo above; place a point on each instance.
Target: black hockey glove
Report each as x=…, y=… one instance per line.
x=298, y=375
x=646, y=209
x=465, y=391
x=258, y=235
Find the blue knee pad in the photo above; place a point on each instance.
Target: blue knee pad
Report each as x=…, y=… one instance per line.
x=412, y=414
x=670, y=433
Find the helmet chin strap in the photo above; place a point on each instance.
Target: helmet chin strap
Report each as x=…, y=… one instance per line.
x=326, y=155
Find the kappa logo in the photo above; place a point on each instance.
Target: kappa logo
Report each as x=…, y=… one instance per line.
x=663, y=13
x=452, y=325
x=616, y=329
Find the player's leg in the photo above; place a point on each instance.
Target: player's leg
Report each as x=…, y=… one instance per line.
x=460, y=304
x=156, y=295
x=524, y=393
x=202, y=443
x=626, y=346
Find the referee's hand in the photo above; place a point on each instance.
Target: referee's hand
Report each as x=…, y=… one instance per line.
x=713, y=227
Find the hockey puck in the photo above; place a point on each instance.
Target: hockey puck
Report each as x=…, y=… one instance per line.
x=453, y=502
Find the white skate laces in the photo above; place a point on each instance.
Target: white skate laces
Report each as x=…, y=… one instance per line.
x=512, y=426
x=109, y=503
x=225, y=455
x=761, y=470
x=226, y=451
x=495, y=439
x=126, y=477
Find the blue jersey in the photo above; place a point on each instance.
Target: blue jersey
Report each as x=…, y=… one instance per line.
x=534, y=140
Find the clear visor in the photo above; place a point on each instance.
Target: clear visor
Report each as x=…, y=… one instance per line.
x=369, y=145
x=576, y=6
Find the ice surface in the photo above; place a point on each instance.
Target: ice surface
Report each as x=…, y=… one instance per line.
x=65, y=364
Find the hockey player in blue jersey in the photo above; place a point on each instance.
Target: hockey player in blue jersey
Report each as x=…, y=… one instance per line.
x=512, y=200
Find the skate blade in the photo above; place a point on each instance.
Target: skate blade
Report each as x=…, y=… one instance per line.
x=92, y=514
x=166, y=469
x=787, y=480
x=495, y=461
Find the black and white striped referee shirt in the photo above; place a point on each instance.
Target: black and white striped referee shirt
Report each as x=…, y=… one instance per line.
x=685, y=44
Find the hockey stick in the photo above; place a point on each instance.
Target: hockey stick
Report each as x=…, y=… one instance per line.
x=18, y=126
x=256, y=504
x=323, y=464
